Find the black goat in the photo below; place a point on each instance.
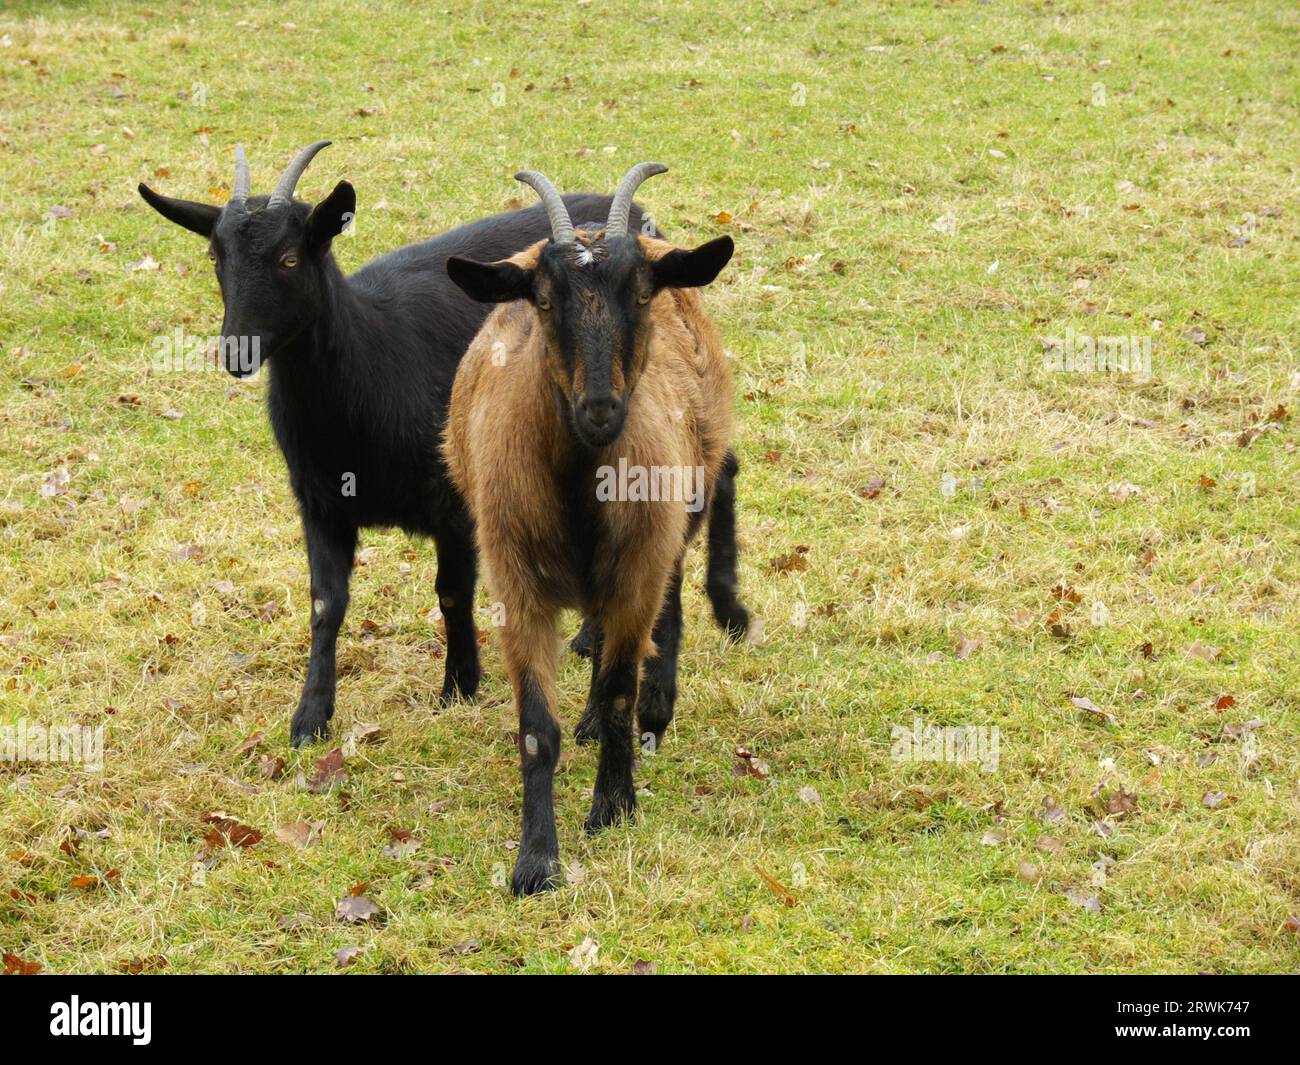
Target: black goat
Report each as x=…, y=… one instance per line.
x=361, y=369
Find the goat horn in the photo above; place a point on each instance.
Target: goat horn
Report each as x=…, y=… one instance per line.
x=622, y=204
x=239, y=191
x=561, y=225
x=283, y=193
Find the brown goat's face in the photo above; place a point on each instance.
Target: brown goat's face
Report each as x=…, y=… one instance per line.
x=270, y=264
x=592, y=299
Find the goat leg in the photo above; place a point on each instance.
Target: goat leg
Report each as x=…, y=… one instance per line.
x=528, y=640
x=615, y=692
x=658, y=695
x=457, y=572
x=721, y=583
x=330, y=551
x=587, y=730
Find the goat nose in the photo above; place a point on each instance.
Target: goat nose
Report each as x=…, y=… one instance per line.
x=599, y=410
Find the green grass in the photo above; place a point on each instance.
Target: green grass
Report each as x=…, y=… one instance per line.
x=868, y=343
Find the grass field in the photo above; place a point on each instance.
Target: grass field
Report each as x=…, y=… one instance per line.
x=934, y=525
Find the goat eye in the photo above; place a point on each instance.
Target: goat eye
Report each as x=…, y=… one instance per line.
x=289, y=261
x=212, y=255
x=543, y=303
x=643, y=299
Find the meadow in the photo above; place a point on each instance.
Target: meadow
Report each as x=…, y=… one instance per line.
x=949, y=515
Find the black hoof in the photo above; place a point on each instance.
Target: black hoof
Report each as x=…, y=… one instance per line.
x=654, y=711
x=459, y=685
x=609, y=810
x=584, y=643
x=535, y=873
x=733, y=618
x=587, y=730
x=309, y=725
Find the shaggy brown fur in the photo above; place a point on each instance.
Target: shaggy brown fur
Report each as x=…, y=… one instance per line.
x=545, y=542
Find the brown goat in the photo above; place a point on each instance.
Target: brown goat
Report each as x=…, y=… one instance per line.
x=601, y=360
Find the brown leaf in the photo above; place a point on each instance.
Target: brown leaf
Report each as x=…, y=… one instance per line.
x=151, y=963
x=1223, y=702
x=749, y=764
x=344, y=955
x=648, y=968
x=1212, y=799
x=794, y=561
x=1121, y=803
x=84, y=883
x=1067, y=594
x=1084, y=703
x=776, y=887
x=355, y=909
x=965, y=648
x=1206, y=652
x=226, y=830
x=1028, y=872
x=16, y=966
x=329, y=773
x=1051, y=810
x=250, y=743
x=271, y=766
x=300, y=834
x=872, y=488
x=1205, y=483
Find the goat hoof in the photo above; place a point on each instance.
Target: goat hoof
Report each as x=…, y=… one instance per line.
x=654, y=712
x=609, y=810
x=584, y=643
x=734, y=619
x=587, y=730
x=308, y=726
x=458, y=686
x=535, y=873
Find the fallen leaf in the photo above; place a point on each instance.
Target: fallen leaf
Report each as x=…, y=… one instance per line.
x=16, y=966
x=1051, y=810
x=776, y=887
x=344, y=956
x=355, y=909
x=1028, y=872
x=300, y=834
x=585, y=956
x=329, y=773
x=1206, y=652
x=1084, y=703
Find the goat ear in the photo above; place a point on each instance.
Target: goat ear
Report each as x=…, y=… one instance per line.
x=332, y=215
x=490, y=282
x=682, y=268
x=196, y=217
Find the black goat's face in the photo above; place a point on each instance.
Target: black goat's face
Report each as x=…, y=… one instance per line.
x=593, y=300
x=270, y=255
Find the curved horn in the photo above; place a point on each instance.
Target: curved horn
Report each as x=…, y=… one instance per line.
x=561, y=226
x=239, y=191
x=621, y=207
x=283, y=192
